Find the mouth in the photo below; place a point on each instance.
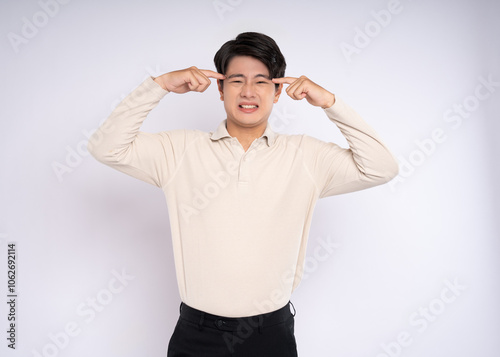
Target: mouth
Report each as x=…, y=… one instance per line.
x=248, y=107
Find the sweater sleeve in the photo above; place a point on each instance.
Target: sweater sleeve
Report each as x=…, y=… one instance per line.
x=119, y=144
x=366, y=163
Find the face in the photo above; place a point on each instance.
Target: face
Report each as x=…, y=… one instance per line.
x=248, y=92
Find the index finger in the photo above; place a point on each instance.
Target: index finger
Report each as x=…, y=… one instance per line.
x=287, y=80
x=212, y=74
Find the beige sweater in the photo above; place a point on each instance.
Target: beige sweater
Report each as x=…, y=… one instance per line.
x=240, y=220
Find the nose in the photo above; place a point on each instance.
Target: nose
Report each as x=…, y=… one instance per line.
x=248, y=90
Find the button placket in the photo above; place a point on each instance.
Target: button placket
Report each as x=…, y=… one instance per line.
x=245, y=159
x=245, y=163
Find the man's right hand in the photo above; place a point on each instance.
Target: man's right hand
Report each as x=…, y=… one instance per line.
x=187, y=80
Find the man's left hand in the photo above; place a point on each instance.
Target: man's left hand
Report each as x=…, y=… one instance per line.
x=303, y=87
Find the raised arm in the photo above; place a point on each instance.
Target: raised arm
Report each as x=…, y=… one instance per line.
x=149, y=157
x=367, y=162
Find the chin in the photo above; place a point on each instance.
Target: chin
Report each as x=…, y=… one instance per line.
x=249, y=121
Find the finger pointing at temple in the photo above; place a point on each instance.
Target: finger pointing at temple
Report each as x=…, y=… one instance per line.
x=286, y=80
x=303, y=87
x=212, y=74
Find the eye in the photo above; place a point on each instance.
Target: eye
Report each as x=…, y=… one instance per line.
x=235, y=82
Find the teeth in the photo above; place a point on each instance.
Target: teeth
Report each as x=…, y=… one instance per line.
x=248, y=106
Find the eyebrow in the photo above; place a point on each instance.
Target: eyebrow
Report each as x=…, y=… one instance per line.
x=241, y=75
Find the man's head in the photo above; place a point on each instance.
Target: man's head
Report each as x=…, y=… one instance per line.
x=249, y=62
x=256, y=45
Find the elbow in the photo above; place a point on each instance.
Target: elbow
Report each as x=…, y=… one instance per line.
x=392, y=170
x=93, y=146
x=389, y=170
x=384, y=172
x=96, y=147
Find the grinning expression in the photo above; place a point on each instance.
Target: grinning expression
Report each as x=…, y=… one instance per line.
x=248, y=92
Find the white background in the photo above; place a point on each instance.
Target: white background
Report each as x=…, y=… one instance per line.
x=75, y=221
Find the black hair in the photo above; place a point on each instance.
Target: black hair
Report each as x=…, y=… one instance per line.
x=256, y=45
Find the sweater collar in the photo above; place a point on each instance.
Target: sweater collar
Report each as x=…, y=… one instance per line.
x=221, y=132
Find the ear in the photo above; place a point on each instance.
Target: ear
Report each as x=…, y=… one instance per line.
x=278, y=93
x=221, y=92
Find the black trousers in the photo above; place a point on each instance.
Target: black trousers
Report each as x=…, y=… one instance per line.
x=200, y=334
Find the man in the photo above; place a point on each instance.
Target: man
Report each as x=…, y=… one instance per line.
x=240, y=198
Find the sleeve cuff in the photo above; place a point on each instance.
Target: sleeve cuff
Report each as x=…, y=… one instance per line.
x=338, y=108
x=154, y=87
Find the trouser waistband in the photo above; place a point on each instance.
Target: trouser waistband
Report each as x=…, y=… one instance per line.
x=202, y=318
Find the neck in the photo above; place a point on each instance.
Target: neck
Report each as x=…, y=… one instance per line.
x=246, y=135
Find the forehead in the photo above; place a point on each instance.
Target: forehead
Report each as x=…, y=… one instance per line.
x=246, y=65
